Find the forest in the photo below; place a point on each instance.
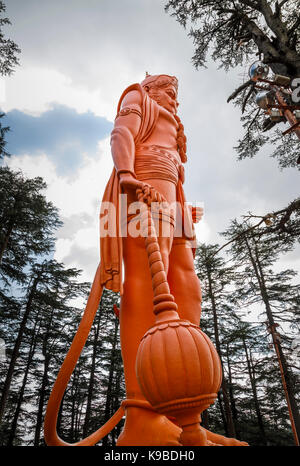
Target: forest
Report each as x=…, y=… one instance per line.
x=243, y=285
x=39, y=318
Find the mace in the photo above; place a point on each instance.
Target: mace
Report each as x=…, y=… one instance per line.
x=177, y=366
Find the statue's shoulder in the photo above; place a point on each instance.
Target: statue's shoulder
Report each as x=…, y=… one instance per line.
x=133, y=94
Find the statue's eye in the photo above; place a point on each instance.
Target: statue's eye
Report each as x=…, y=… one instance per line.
x=171, y=94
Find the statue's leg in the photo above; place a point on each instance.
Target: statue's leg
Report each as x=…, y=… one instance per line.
x=143, y=426
x=183, y=281
x=186, y=289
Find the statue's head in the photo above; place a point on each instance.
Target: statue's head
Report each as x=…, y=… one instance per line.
x=163, y=89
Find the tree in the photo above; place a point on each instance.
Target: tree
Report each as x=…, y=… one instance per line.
x=237, y=32
x=49, y=286
x=60, y=286
x=216, y=278
x=27, y=223
x=3, y=131
x=245, y=349
x=8, y=61
x=279, y=297
x=96, y=387
x=12, y=431
x=8, y=48
x=280, y=227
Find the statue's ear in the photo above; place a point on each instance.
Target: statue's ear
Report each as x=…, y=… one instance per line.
x=147, y=88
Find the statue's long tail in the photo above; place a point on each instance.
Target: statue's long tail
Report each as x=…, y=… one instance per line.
x=63, y=377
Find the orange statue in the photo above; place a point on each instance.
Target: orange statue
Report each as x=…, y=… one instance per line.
x=172, y=370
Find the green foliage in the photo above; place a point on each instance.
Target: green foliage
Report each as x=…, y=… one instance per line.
x=8, y=48
x=27, y=223
x=235, y=34
x=8, y=60
x=3, y=131
x=232, y=302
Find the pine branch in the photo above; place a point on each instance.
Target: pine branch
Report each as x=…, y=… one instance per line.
x=239, y=90
x=280, y=5
x=247, y=98
x=239, y=235
x=287, y=212
x=251, y=4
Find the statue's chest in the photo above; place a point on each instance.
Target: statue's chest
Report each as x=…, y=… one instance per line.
x=166, y=127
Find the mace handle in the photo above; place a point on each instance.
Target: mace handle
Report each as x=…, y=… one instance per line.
x=165, y=307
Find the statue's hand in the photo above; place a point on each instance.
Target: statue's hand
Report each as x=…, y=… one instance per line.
x=149, y=194
x=129, y=183
x=197, y=213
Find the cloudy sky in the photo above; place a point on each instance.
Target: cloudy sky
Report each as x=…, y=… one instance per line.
x=77, y=58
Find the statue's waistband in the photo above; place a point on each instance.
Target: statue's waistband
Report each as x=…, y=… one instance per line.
x=157, y=162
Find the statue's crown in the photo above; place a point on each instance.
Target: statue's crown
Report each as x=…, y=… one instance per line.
x=159, y=80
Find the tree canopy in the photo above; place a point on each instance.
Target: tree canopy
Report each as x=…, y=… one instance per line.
x=235, y=33
x=9, y=50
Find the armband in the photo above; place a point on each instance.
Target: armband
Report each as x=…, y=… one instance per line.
x=126, y=110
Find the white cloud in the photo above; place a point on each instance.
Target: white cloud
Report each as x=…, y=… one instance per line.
x=78, y=196
x=33, y=89
x=94, y=51
x=203, y=232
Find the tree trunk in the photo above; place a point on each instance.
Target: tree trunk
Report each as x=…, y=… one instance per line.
x=11, y=224
x=22, y=390
x=74, y=404
x=44, y=384
x=4, y=244
x=223, y=417
x=39, y=420
x=205, y=419
x=288, y=380
x=16, y=348
x=231, y=396
x=229, y=421
x=92, y=379
x=251, y=373
x=107, y=412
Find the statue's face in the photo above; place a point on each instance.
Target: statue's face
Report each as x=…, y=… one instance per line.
x=166, y=97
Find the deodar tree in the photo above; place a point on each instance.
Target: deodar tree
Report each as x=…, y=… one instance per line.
x=236, y=33
x=9, y=51
x=27, y=223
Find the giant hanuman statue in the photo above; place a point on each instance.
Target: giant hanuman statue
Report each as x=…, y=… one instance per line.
x=172, y=370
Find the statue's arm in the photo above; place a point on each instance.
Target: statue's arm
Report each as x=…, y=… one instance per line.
x=126, y=128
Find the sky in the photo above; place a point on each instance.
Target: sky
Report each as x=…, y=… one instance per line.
x=76, y=59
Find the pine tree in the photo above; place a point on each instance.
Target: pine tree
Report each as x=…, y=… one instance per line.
x=245, y=342
x=27, y=223
x=216, y=278
x=8, y=48
x=12, y=431
x=259, y=284
x=239, y=32
x=96, y=387
x=236, y=33
x=49, y=287
x=8, y=61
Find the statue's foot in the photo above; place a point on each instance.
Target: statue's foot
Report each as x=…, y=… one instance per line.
x=220, y=440
x=145, y=427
